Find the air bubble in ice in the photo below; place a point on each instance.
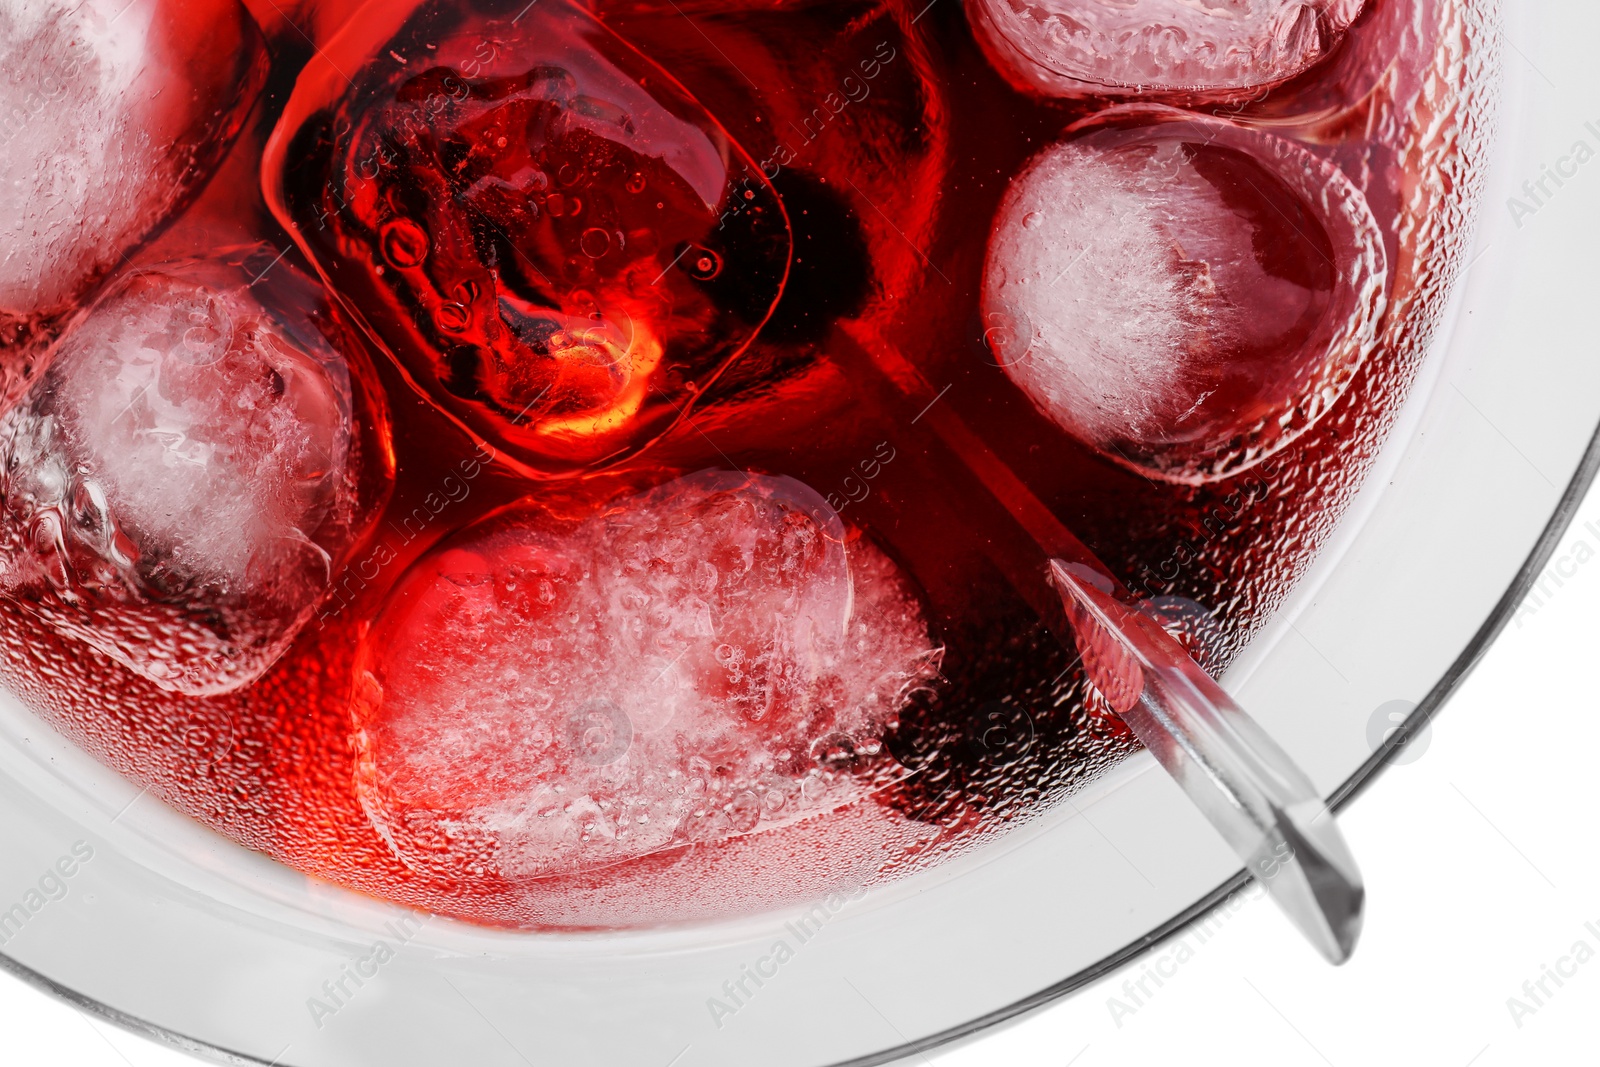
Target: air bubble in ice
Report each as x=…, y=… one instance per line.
x=178, y=486
x=1189, y=296
x=689, y=643
x=1204, y=51
x=474, y=202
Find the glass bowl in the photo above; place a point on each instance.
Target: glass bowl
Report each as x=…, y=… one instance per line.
x=159, y=925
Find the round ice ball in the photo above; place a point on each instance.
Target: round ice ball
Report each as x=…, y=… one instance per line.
x=112, y=115
x=178, y=489
x=1173, y=48
x=1182, y=294
x=712, y=658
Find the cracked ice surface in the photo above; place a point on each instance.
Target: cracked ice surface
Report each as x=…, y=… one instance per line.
x=1122, y=47
x=1185, y=296
x=704, y=660
x=177, y=485
x=110, y=114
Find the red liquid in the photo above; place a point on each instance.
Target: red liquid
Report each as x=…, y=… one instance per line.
x=828, y=328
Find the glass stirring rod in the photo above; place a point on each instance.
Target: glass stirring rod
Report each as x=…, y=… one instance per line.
x=1251, y=791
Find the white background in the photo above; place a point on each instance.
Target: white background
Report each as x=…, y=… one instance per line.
x=1481, y=867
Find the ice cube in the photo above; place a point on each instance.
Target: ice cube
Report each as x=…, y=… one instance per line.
x=180, y=483
x=1201, y=51
x=707, y=659
x=111, y=115
x=1183, y=294
x=844, y=106
x=560, y=245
